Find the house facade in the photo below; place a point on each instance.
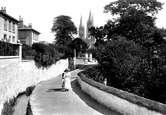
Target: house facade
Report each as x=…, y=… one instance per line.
x=26, y=34
x=8, y=27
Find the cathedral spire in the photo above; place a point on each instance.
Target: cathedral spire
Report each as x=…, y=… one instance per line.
x=81, y=29
x=92, y=21
x=90, y=17
x=81, y=24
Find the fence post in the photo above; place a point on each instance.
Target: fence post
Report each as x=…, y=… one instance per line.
x=74, y=59
x=20, y=52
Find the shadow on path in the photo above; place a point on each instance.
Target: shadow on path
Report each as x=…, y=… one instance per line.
x=57, y=89
x=90, y=101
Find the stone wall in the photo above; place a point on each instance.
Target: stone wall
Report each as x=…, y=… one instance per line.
x=7, y=60
x=120, y=101
x=16, y=77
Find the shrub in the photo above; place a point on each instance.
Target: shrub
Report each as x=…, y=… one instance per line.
x=27, y=51
x=131, y=67
x=45, y=54
x=29, y=90
x=65, y=52
x=94, y=73
x=8, y=108
x=8, y=49
x=79, y=45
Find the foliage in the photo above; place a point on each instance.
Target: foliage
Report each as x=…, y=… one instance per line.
x=29, y=90
x=131, y=50
x=94, y=73
x=63, y=27
x=8, y=49
x=132, y=68
x=65, y=52
x=93, y=51
x=8, y=108
x=79, y=45
x=27, y=51
x=135, y=20
x=45, y=54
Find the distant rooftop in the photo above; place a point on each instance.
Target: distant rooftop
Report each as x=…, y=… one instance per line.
x=22, y=27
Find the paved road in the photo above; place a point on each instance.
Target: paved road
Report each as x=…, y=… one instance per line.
x=49, y=99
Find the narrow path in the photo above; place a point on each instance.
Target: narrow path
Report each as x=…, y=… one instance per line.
x=21, y=105
x=49, y=99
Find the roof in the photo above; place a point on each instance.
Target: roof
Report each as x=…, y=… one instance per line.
x=8, y=16
x=28, y=29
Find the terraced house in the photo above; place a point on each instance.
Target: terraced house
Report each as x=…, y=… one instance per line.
x=8, y=27
x=26, y=34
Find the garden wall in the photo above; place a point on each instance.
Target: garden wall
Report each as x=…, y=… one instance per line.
x=7, y=60
x=16, y=77
x=121, y=101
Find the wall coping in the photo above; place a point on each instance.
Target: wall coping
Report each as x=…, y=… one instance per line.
x=135, y=99
x=8, y=57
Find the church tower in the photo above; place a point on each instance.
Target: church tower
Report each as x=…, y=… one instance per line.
x=81, y=30
x=90, y=40
x=89, y=25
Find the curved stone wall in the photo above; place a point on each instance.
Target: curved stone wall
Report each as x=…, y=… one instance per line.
x=16, y=77
x=121, y=101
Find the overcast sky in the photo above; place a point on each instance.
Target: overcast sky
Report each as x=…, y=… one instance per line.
x=42, y=12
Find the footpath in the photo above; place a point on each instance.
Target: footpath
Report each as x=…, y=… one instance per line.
x=49, y=99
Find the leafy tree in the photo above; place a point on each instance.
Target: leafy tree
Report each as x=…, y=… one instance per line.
x=64, y=28
x=79, y=45
x=135, y=20
x=131, y=49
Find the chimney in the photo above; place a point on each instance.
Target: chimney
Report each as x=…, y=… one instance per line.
x=30, y=25
x=3, y=10
x=21, y=23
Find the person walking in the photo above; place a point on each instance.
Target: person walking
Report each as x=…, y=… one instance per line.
x=66, y=82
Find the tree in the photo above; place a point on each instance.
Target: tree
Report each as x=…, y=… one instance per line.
x=64, y=28
x=136, y=19
x=131, y=49
x=79, y=45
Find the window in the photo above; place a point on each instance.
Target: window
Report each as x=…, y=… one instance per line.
x=5, y=24
x=4, y=38
x=8, y=40
x=13, y=28
x=35, y=36
x=9, y=26
x=13, y=39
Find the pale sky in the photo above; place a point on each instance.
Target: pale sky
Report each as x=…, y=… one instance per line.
x=42, y=12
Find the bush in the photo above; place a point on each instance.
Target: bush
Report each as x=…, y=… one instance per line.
x=29, y=90
x=45, y=54
x=131, y=67
x=94, y=73
x=28, y=52
x=8, y=108
x=8, y=49
x=65, y=52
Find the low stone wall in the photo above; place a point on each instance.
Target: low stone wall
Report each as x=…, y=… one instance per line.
x=7, y=60
x=16, y=77
x=121, y=101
